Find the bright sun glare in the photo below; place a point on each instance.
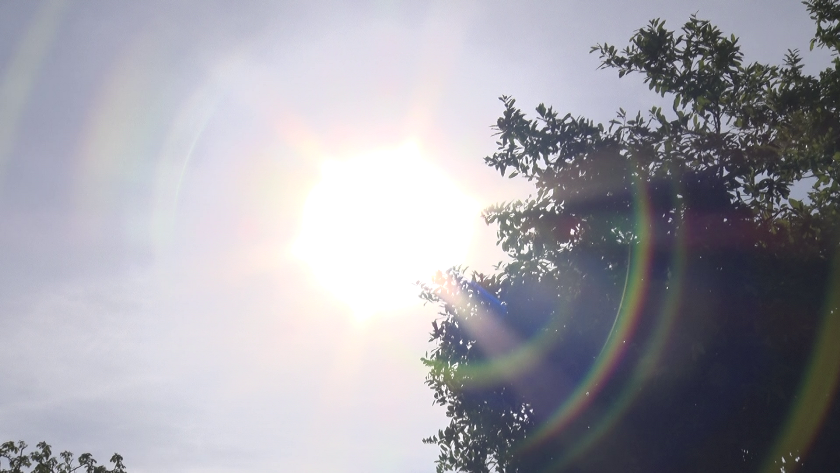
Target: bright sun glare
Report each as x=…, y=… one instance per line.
x=376, y=224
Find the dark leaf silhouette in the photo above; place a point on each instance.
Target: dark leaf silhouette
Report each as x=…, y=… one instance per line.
x=668, y=305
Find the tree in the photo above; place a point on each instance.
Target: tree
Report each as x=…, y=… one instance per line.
x=667, y=305
x=42, y=460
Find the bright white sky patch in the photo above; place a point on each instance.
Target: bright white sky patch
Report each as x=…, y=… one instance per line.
x=376, y=224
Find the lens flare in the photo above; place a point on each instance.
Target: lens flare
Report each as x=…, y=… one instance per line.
x=627, y=319
x=644, y=369
x=23, y=69
x=818, y=388
x=510, y=356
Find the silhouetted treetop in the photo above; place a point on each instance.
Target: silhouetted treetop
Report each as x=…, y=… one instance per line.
x=666, y=300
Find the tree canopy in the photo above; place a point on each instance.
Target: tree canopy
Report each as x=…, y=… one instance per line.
x=42, y=460
x=667, y=304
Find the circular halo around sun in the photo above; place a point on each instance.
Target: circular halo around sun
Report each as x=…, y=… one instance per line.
x=375, y=224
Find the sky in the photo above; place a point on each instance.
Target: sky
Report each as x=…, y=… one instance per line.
x=159, y=167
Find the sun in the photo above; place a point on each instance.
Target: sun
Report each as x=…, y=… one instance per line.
x=375, y=224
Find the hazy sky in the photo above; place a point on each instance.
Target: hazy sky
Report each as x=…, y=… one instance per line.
x=155, y=162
